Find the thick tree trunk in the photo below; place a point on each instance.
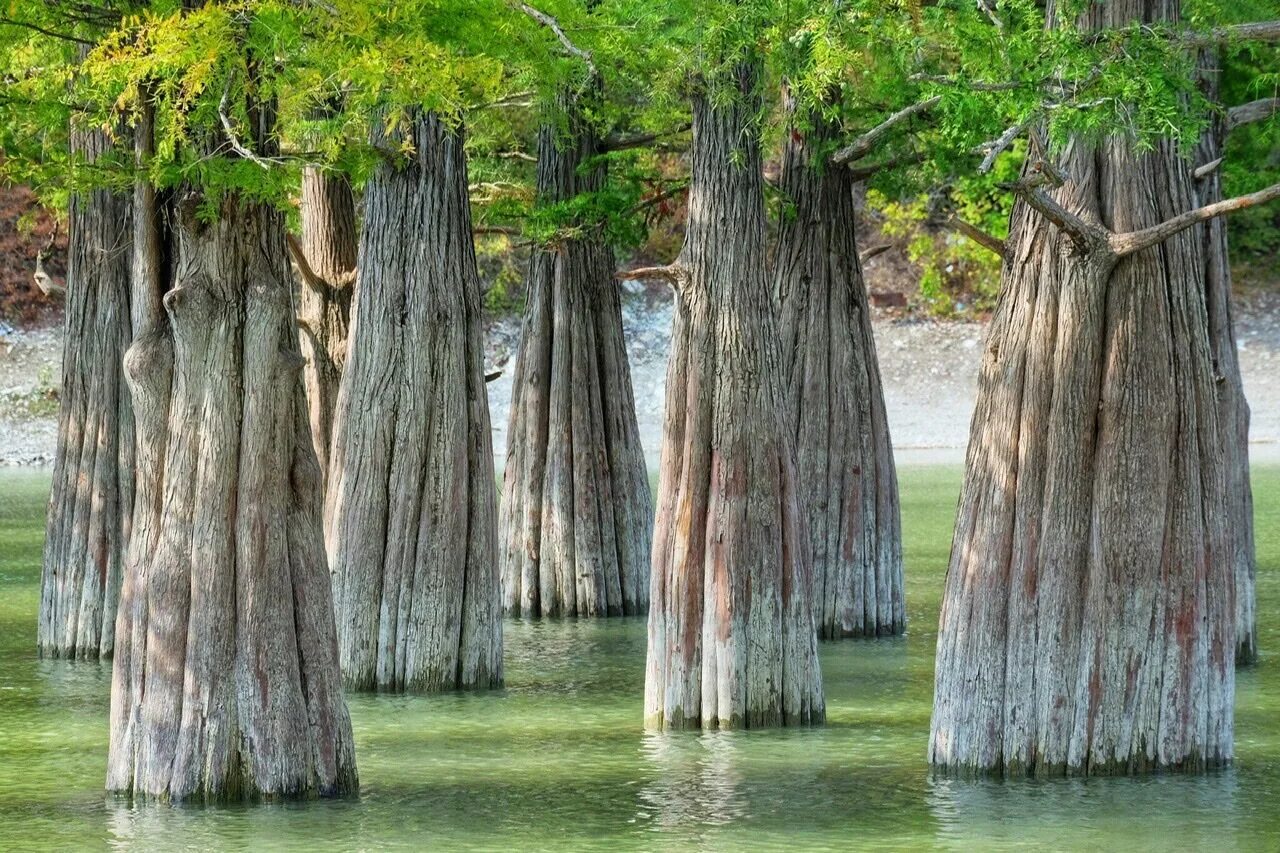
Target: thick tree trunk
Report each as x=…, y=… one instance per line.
x=410, y=513
x=576, y=523
x=329, y=242
x=848, y=485
x=226, y=682
x=1088, y=617
x=91, y=501
x=731, y=636
x=1233, y=409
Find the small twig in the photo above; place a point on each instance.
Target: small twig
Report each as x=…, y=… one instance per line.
x=999, y=145
x=229, y=129
x=50, y=33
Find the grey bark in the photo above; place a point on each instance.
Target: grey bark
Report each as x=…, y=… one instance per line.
x=731, y=636
x=410, y=519
x=848, y=484
x=91, y=499
x=1233, y=409
x=1088, y=619
x=226, y=682
x=329, y=243
x=576, y=524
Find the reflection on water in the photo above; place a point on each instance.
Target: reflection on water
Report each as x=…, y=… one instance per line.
x=694, y=779
x=559, y=759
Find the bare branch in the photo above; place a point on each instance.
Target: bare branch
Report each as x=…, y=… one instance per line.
x=873, y=251
x=309, y=276
x=1267, y=31
x=1133, y=241
x=232, y=139
x=516, y=155
x=1087, y=236
x=506, y=230
x=1259, y=110
x=977, y=235
x=1207, y=169
x=672, y=273
x=993, y=149
x=864, y=144
x=623, y=143
x=554, y=25
x=863, y=171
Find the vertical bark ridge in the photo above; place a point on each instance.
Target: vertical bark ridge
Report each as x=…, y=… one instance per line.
x=410, y=512
x=731, y=636
x=576, y=521
x=1088, y=617
x=91, y=499
x=1233, y=408
x=225, y=683
x=848, y=482
x=329, y=241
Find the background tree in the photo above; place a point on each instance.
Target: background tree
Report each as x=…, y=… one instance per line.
x=576, y=522
x=410, y=517
x=731, y=636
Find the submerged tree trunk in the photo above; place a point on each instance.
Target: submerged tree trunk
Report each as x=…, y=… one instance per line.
x=731, y=636
x=226, y=682
x=410, y=513
x=91, y=500
x=576, y=520
x=847, y=481
x=329, y=243
x=1233, y=409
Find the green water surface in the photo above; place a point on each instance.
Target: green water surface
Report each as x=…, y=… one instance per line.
x=559, y=758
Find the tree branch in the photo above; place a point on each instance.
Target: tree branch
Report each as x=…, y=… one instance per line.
x=1133, y=241
x=672, y=273
x=977, y=235
x=50, y=33
x=1259, y=110
x=309, y=275
x=615, y=142
x=554, y=25
x=1256, y=31
x=864, y=144
x=1086, y=235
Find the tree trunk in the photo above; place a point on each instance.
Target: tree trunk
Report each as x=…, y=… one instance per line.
x=324, y=306
x=91, y=500
x=847, y=480
x=410, y=513
x=1233, y=409
x=576, y=523
x=226, y=682
x=731, y=636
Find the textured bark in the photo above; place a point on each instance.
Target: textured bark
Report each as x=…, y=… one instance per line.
x=410, y=518
x=848, y=485
x=329, y=242
x=1088, y=619
x=731, y=637
x=576, y=524
x=226, y=682
x=1233, y=409
x=91, y=500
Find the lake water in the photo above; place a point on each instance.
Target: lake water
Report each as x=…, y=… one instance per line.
x=559, y=759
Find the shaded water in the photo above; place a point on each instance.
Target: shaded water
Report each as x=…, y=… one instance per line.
x=559, y=759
